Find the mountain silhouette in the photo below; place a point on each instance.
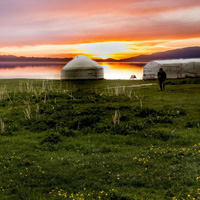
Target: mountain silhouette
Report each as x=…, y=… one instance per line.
x=11, y=58
x=188, y=52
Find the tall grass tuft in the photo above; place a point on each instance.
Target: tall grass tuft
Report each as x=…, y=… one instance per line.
x=37, y=111
x=4, y=95
x=39, y=88
x=27, y=113
x=2, y=125
x=116, y=118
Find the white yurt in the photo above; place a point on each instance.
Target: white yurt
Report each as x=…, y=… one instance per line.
x=82, y=68
x=179, y=68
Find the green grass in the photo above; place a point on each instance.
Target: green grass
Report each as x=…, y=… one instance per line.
x=99, y=140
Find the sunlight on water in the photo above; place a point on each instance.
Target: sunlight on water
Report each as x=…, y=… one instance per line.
x=33, y=70
x=122, y=70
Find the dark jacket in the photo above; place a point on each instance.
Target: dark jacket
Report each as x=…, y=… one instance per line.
x=161, y=75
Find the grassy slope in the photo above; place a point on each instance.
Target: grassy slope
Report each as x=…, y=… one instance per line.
x=81, y=140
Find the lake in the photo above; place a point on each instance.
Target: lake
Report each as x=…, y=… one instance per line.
x=34, y=70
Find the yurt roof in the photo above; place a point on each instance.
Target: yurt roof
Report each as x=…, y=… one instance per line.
x=81, y=62
x=177, y=61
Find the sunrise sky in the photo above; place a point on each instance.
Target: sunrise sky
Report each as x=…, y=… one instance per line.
x=97, y=28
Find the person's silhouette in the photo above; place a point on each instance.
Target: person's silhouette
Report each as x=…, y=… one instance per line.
x=162, y=79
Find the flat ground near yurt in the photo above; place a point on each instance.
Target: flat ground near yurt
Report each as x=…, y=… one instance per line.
x=99, y=140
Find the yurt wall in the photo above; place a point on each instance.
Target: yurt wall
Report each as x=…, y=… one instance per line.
x=82, y=68
x=180, y=68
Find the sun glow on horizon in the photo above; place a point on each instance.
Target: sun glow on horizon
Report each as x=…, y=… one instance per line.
x=106, y=50
x=102, y=50
x=113, y=49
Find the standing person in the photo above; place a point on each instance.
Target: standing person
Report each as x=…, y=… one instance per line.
x=162, y=78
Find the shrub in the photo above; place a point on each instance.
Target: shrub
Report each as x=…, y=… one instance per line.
x=145, y=112
x=127, y=129
x=160, y=120
x=51, y=138
x=157, y=134
x=193, y=124
x=41, y=124
x=65, y=131
x=84, y=121
x=101, y=128
x=174, y=112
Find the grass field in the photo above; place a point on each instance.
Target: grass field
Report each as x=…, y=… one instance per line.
x=99, y=140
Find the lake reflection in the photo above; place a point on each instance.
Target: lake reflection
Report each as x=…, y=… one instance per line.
x=122, y=70
x=43, y=70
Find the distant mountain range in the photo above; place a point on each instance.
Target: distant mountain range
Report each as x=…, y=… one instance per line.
x=188, y=52
x=10, y=58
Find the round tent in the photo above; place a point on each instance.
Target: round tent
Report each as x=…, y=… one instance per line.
x=82, y=68
x=179, y=68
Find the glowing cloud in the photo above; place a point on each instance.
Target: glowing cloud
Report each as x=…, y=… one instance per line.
x=68, y=27
x=106, y=49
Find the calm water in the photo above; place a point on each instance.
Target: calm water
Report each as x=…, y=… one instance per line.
x=35, y=70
